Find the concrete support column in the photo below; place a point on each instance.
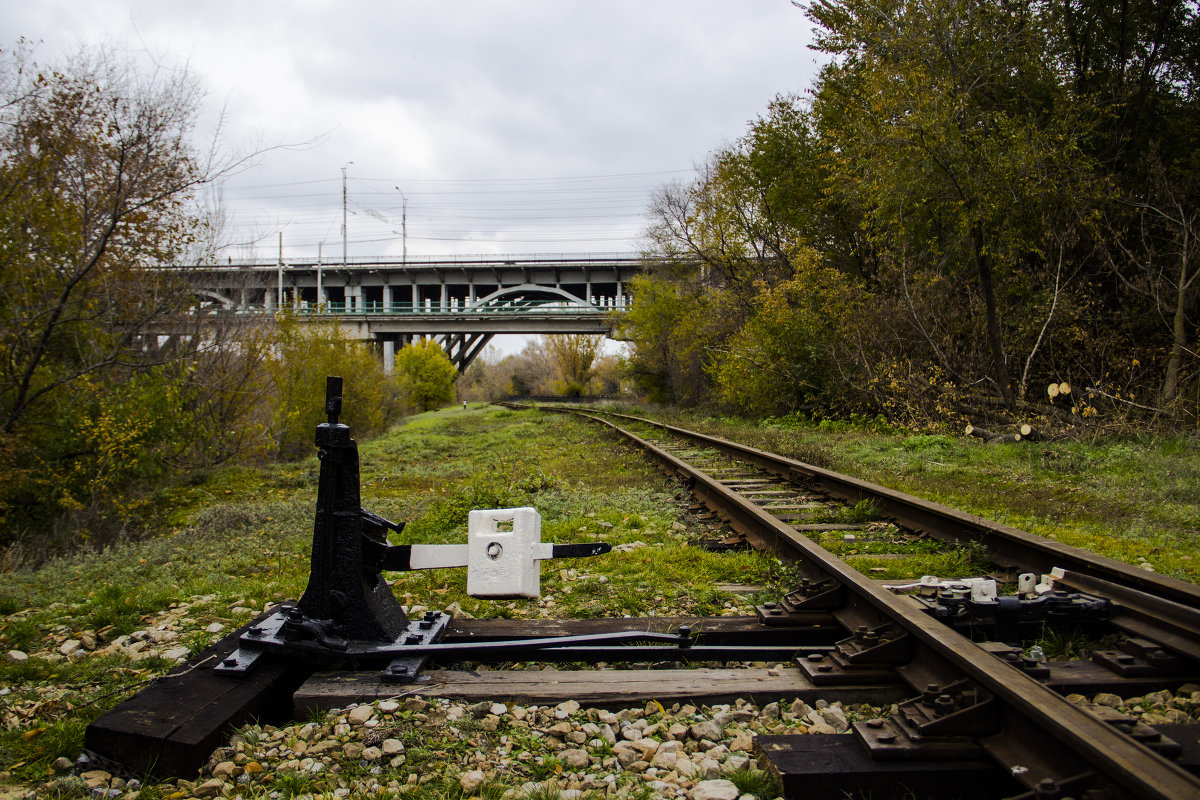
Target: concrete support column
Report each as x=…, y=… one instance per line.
x=389, y=356
x=442, y=305
x=416, y=296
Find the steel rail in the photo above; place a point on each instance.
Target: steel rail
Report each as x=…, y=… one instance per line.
x=1024, y=549
x=1127, y=764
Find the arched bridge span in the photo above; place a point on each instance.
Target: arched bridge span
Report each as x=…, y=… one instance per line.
x=462, y=301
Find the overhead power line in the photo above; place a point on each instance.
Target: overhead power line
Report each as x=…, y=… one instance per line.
x=521, y=211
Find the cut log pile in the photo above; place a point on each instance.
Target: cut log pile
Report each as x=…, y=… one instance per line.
x=1025, y=433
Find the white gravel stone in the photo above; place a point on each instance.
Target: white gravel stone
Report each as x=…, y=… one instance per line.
x=210, y=788
x=744, y=741
x=705, y=730
x=836, y=718
x=360, y=715
x=472, y=780
x=626, y=754
x=719, y=789
x=736, y=762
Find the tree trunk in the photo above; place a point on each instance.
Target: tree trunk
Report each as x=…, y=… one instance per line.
x=995, y=341
x=1170, y=385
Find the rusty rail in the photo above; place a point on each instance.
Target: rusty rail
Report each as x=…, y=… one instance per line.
x=1043, y=740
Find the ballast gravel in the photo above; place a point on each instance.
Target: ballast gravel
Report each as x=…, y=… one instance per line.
x=412, y=747
x=392, y=748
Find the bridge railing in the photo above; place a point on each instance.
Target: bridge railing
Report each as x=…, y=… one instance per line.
x=418, y=262
x=398, y=309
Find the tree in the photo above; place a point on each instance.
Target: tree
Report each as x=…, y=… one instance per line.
x=95, y=179
x=792, y=352
x=425, y=376
x=1139, y=61
x=670, y=327
x=97, y=173
x=573, y=355
x=298, y=357
x=1155, y=253
x=949, y=127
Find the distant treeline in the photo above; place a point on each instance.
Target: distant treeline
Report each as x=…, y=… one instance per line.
x=978, y=199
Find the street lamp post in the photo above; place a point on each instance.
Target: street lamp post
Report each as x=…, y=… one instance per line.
x=403, y=227
x=320, y=263
x=344, y=259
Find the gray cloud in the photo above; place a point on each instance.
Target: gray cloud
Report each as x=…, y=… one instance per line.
x=463, y=102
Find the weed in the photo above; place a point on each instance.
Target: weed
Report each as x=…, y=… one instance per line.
x=863, y=511
x=548, y=767
x=492, y=790
x=291, y=784
x=1060, y=643
x=19, y=633
x=756, y=782
x=544, y=791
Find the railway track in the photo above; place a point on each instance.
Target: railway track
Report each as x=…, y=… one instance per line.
x=973, y=695
x=971, y=710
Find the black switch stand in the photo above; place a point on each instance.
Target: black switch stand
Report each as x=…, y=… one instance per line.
x=346, y=594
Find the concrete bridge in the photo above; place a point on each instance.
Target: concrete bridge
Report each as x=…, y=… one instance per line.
x=461, y=301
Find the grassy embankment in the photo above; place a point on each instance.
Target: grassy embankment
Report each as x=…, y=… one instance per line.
x=240, y=539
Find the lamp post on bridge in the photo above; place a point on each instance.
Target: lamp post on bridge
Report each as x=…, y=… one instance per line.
x=281, y=270
x=345, y=261
x=403, y=227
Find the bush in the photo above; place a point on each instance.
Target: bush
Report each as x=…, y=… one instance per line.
x=302, y=356
x=425, y=376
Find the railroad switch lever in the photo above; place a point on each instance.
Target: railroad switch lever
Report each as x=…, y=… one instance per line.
x=348, y=611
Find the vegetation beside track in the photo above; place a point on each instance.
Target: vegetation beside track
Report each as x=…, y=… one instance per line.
x=1130, y=498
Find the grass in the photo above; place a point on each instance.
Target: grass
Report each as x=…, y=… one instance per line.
x=749, y=780
x=239, y=538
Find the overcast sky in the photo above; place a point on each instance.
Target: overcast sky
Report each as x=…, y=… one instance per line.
x=511, y=126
